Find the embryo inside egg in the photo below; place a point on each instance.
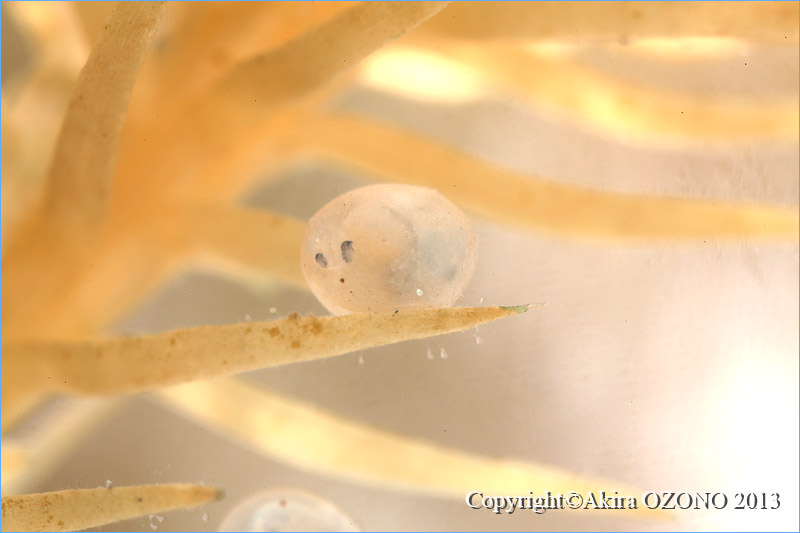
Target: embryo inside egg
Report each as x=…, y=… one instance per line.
x=386, y=247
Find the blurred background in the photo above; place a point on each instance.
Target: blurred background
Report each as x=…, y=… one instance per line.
x=664, y=364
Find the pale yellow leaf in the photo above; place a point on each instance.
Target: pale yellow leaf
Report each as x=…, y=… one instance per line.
x=46, y=252
x=82, y=165
x=209, y=38
x=531, y=201
x=58, y=428
x=132, y=364
x=317, y=441
x=330, y=48
x=615, y=108
x=593, y=21
x=33, y=108
x=257, y=243
x=92, y=16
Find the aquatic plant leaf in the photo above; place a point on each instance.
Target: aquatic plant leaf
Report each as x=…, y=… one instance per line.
x=92, y=16
x=618, y=20
x=210, y=126
x=290, y=431
x=55, y=34
x=332, y=47
x=46, y=252
x=265, y=251
x=34, y=104
x=72, y=510
x=137, y=363
x=267, y=245
x=210, y=38
x=82, y=165
x=534, y=202
x=13, y=459
x=632, y=113
x=59, y=427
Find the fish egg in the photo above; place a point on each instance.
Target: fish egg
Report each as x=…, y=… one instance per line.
x=286, y=511
x=386, y=247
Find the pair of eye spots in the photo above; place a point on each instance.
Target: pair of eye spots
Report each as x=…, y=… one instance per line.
x=347, y=254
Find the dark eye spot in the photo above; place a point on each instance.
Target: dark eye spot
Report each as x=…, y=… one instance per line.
x=321, y=261
x=347, y=251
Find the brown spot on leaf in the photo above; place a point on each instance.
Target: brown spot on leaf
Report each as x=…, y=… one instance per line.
x=274, y=332
x=295, y=344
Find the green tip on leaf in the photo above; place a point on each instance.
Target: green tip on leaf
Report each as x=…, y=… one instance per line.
x=526, y=307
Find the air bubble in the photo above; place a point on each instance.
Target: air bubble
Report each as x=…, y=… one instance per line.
x=248, y=318
x=360, y=359
x=443, y=353
x=286, y=511
x=273, y=310
x=430, y=353
x=387, y=241
x=154, y=517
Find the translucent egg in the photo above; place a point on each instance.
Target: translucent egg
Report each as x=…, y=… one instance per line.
x=286, y=511
x=386, y=247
